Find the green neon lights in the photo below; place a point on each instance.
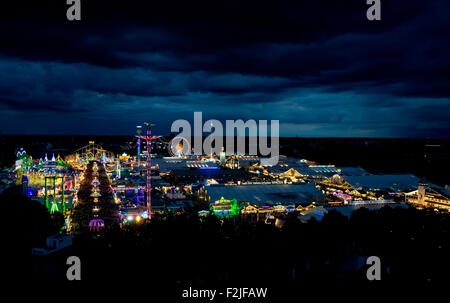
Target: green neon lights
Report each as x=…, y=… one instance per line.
x=225, y=208
x=54, y=208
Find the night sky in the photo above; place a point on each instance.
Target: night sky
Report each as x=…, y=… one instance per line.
x=320, y=67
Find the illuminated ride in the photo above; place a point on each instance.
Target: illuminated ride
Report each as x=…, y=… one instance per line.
x=91, y=152
x=203, y=213
x=148, y=164
x=178, y=147
x=24, y=162
x=54, y=206
x=96, y=224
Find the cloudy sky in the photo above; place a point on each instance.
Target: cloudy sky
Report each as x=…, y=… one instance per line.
x=319, y=67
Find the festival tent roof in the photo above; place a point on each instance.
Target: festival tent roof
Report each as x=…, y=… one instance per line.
x=398, y=182
x=353, y=171
x=268, y=193
x=337, y=180
x=292, y=173
x=323, y=170
x=167, y=164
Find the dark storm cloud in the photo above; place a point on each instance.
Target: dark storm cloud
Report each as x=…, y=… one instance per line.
x=319, y=67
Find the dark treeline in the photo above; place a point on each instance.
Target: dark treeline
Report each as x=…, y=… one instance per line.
x=25, y=224
x=413, y=246
x=181, y=251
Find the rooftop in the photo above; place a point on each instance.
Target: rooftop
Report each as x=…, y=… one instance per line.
x=401, y=182
x=269, y=193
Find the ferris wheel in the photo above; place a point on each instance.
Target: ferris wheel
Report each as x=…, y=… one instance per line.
x=178, y=147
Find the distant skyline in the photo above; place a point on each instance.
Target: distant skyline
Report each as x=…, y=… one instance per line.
x=319, y=67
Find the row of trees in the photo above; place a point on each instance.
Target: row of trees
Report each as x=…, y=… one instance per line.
x=181, y=250
x=413, y=247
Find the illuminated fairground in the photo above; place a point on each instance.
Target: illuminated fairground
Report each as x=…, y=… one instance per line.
x=95, y=189
x=50, y=180
x=56, y=182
